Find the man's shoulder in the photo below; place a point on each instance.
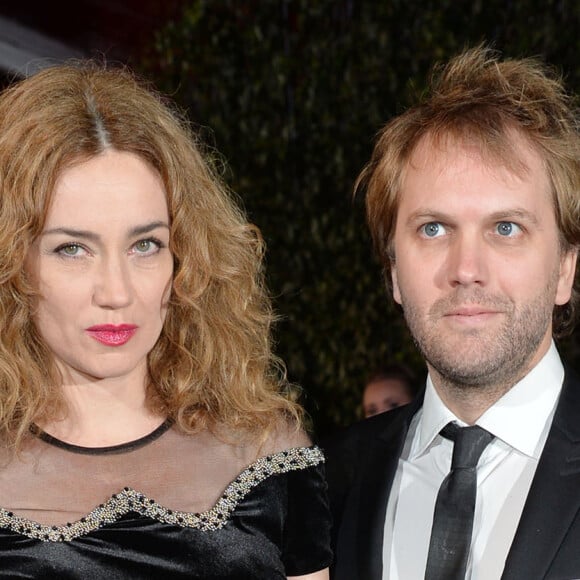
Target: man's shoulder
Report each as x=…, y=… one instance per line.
x=571, y=375
x=382, y=425
x=347, y=449
x=354, y=454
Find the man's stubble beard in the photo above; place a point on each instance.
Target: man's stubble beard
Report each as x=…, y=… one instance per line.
x=483, y=360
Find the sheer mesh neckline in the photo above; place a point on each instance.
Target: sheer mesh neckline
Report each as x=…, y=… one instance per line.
x=109, y=450
x=52, y=486
x=130, y=500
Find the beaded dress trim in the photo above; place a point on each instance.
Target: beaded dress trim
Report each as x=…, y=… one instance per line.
x=130, y=500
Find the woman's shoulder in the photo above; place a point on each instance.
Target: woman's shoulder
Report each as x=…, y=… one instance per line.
x=284, y=435
x=287, y=448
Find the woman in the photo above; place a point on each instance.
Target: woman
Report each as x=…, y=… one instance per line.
x=146, y=432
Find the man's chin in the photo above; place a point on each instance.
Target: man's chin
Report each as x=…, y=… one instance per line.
x=464, y=369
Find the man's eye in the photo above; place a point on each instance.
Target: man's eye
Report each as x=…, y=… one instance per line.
x=433, y=229
x=507, y=229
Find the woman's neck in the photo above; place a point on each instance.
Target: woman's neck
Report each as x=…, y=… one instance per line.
x=103, y=413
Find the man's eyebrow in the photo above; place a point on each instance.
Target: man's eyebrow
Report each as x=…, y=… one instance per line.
x=427, y=214
x=91, y=236
x=507, y=214
x=515, y=213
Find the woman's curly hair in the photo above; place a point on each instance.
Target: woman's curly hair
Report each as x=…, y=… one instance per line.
x=212, y=365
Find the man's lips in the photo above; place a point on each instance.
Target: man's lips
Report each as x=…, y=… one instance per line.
x=112, y=334
x=471, y=314
x=470, y=311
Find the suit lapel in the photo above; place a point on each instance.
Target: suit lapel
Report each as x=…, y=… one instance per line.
x=554, y=497
x=377, y=474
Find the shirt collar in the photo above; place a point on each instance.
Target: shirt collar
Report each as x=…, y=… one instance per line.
x=521, y=417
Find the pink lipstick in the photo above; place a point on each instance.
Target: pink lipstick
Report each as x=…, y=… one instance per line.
x=111, y=334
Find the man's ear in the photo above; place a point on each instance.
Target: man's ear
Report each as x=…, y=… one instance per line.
x=395, y=283
x=566, y=277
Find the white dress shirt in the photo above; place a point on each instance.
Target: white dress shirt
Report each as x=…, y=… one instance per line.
x=520, y=421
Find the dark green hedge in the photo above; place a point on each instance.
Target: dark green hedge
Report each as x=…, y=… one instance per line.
x=292, y=92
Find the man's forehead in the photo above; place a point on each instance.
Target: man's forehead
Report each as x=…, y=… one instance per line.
x=441, y=169
x=511, y=150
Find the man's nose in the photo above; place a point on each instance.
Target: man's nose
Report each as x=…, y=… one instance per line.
x=467, y=260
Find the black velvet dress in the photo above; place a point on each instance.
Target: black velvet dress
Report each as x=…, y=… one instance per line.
x=165, y=506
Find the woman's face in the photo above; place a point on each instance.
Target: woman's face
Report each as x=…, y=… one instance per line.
x=103, y=268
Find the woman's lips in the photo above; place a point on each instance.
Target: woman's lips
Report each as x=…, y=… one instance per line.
x=111, y=334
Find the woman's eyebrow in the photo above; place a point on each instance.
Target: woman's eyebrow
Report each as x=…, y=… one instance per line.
x=88, y=235
x=145, y=229
x=73, y=233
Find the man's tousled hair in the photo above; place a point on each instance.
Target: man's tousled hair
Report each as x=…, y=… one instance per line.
x=483, y=101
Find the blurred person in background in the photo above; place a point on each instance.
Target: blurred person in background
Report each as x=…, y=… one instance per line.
x=388, y=387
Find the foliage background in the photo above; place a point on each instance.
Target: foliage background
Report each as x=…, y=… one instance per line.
x=292, y=93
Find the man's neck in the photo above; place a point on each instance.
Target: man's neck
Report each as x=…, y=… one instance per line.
x=468, y=403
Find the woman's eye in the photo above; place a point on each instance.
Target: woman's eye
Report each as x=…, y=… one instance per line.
x=433, y=230
x=147, y=247
x=71, y=250
x=507, y=229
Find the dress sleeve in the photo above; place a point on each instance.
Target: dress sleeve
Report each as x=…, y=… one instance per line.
x=307, y=529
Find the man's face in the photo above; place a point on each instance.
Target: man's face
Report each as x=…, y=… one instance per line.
x=478, y=266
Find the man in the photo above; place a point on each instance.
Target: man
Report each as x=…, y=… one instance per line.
x=388, y=387
x=473, y=202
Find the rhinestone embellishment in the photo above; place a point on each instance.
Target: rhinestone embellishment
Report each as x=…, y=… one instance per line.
x=130, y=500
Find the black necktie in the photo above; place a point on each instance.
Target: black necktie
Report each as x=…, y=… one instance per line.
x=455, y=505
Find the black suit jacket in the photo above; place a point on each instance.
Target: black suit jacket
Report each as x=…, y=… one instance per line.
x=361, y=465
